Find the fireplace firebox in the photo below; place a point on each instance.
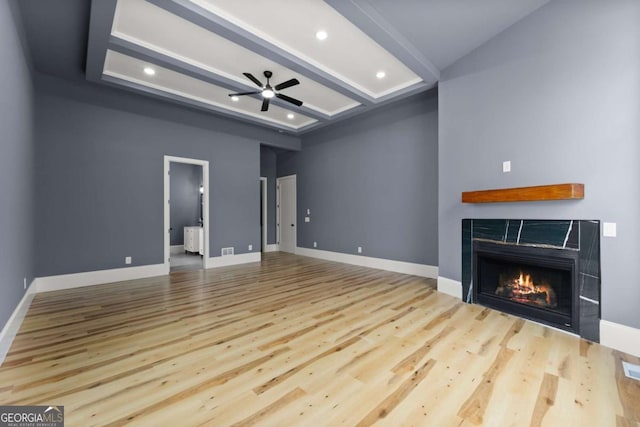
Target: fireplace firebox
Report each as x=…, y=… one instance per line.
x=537, y=283
x=544, y=270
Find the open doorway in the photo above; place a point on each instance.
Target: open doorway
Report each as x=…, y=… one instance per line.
x=263, y=214
x=186, y=213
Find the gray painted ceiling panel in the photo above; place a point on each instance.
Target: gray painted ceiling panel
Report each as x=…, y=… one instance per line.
x=446, y=30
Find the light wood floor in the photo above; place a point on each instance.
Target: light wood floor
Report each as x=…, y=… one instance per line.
x=295, y=341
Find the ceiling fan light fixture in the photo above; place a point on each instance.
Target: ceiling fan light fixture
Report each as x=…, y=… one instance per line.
x=149, y=71
x=268, y=93
x=322, y=35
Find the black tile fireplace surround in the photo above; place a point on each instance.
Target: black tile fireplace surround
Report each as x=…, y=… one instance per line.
x=543, y=270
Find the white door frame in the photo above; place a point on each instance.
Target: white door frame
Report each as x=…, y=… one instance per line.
x=263, y=189
x=295, y=205
x=205, y=207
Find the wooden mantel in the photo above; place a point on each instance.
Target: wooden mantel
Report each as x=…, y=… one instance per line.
x=526, y=194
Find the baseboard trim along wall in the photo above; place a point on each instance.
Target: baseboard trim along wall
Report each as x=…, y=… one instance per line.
x=620, y=337
x=12, y=326
x=176, y=249
x=450, y=287
x=90, y=278
x=271, y=248
x=224, y=261
x=422, y=270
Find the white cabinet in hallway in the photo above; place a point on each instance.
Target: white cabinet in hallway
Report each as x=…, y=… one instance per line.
x=194, y=239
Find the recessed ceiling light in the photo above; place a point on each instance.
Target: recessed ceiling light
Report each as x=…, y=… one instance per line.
x=381, y=74
x=290, y=116
x=149, y=71
x=321, y=35
x=235, y=98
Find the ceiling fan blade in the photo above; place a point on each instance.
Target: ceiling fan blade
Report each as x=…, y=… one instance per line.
x=265, y=104
x=289, y=99
x=253, y=79
x=287, y=84
x=245, y=93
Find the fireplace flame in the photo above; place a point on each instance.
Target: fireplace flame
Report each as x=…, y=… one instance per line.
x=523, y=289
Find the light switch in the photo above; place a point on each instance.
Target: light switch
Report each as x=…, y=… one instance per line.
x=609, y=229
x=307, y=219
x=506, y=166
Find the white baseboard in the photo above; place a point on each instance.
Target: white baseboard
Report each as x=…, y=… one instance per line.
x=620, y=337
x=176, y=249
x=12, y=326
x=223, y=261
x=450, y=287
x=271, y=248
x=90, y=278
x=422, y=270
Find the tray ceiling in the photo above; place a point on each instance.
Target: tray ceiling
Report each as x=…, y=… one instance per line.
x=373, y=52
x=198, y=51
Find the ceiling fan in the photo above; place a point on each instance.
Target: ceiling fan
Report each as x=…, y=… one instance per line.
x=269, y=92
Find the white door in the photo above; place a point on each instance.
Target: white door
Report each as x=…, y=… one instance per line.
x=287, y=213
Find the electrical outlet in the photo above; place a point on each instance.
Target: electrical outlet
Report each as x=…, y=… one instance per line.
x=308, y=211
x=307, y=219
x=609, y=229
x=127, y=260
x=25, y=283
x=359, y=249
x=250, y=247
x=506, y=166
x=315, y=244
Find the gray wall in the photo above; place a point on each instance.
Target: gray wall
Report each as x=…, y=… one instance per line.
x=372, y=182
x=99, y=176
x=268, y=158
x=184, y=194
x=558, y=94
x=16, y=165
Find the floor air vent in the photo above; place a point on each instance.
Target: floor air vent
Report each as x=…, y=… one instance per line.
x=227, y=251
x=631, y=370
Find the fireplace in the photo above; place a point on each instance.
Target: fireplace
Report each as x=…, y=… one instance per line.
x=544, y=270
x=531, y=282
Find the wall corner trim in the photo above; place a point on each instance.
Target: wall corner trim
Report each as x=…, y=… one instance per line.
x=620, y=337
x=450, y=287
x=90, y=278
x=271, y=248
x=224, y=261
x=12, y=326
x=422, y=270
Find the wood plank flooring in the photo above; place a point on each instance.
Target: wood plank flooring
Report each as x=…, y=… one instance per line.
x=295, y=341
